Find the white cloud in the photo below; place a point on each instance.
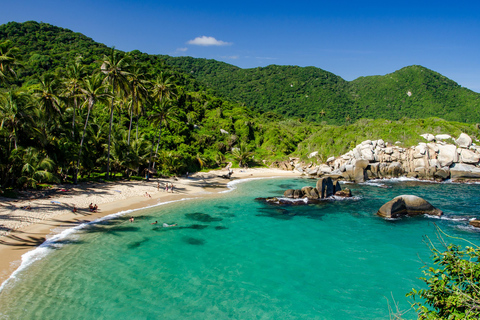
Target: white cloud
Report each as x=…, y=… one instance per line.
x=182, y=49
x=208, y=41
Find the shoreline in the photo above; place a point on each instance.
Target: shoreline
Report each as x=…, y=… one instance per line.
x=23, y=231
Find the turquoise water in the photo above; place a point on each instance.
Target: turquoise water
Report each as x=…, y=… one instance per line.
x=232, y=257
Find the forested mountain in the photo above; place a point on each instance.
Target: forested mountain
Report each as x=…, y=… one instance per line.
x=302, y=92
x=69, y=105
x=318, y=95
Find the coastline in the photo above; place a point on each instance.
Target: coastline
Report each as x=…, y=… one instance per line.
x=22, y=230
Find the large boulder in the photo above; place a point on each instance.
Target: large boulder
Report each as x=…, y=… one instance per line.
x=289, y=193
x=359, y=174
x=325, y=187
x=464, y=141
x=447, y=154
x=407, y=205
x=297, y=194
x=462, y=171
x=468, y=156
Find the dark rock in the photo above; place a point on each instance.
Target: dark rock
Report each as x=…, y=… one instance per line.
x=337, y=187
x=202, y=217
x=407, y=205
x=313, y=194
x=325, y=187
x=306, y=190
x=475, y=223
x=344, y=193
x=297, y=194
x=288, y=193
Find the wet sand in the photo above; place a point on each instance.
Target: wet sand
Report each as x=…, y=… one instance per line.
x=21, y=230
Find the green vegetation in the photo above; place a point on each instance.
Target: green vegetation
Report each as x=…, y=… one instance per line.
x=331, y=140
x=453, y=288
x=71, y=109
x=317, y=95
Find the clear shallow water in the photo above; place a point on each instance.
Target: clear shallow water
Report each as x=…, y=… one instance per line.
x=246, y=260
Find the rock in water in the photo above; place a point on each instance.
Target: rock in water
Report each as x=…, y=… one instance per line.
x=407, y=205
x=475, y=223
x=288, y=193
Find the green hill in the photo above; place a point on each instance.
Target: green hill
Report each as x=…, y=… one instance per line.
x=300, y=92
x=318, y=95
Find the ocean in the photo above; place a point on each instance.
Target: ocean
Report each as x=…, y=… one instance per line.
x=233, y=257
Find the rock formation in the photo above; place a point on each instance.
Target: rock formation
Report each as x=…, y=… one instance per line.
x=324, y=189
x=407, y=205
x=434, y=160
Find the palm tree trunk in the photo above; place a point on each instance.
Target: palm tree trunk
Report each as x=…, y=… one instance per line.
x=81, y=144
x=158, y=142
x=136, y=135
x=130, y=126
x=109, y=139
x=150, y=161
x=73, y=120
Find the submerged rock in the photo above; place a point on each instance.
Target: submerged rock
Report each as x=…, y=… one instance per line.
x=407, y=205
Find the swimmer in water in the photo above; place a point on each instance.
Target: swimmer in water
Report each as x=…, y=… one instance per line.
x=165, y=225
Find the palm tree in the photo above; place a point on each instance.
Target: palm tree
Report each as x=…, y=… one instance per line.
x=165, y=112
x=8, y=60
x=115, y=68
x=16, y=109
x=163, y=87
x=242, y=154
x=46, y=92
x=139, y=93
x=92, y=90
x=71, y=81
x=36, y=168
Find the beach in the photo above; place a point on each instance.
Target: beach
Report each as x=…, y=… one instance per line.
x=27, y=223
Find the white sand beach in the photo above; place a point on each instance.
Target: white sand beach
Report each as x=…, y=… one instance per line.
x=22, y=228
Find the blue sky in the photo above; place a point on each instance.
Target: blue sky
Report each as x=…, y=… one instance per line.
x=348, y=38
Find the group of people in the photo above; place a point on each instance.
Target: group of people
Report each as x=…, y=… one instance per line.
x=93, y=208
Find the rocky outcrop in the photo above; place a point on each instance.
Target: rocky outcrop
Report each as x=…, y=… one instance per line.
x=325, y=188
x=407, y=205
x=375, y=159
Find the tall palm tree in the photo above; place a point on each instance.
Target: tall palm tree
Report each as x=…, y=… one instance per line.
x=163, y=87
x=8, y=60
x=165, y=112
x=71, y=82
x=93, y=89
x=47, y=94
x=139, y=93
x=115, y=68
x=16, y=110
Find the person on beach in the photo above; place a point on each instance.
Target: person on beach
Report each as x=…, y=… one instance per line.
x=74, y=210
x=171, y=187
x=166, y=225
x=147, y=195
x=187, y=175
x=166, y=187
x=154, y=222
x=95, y=208
x=91, y=207
x=158, y=186
x=132, y=219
